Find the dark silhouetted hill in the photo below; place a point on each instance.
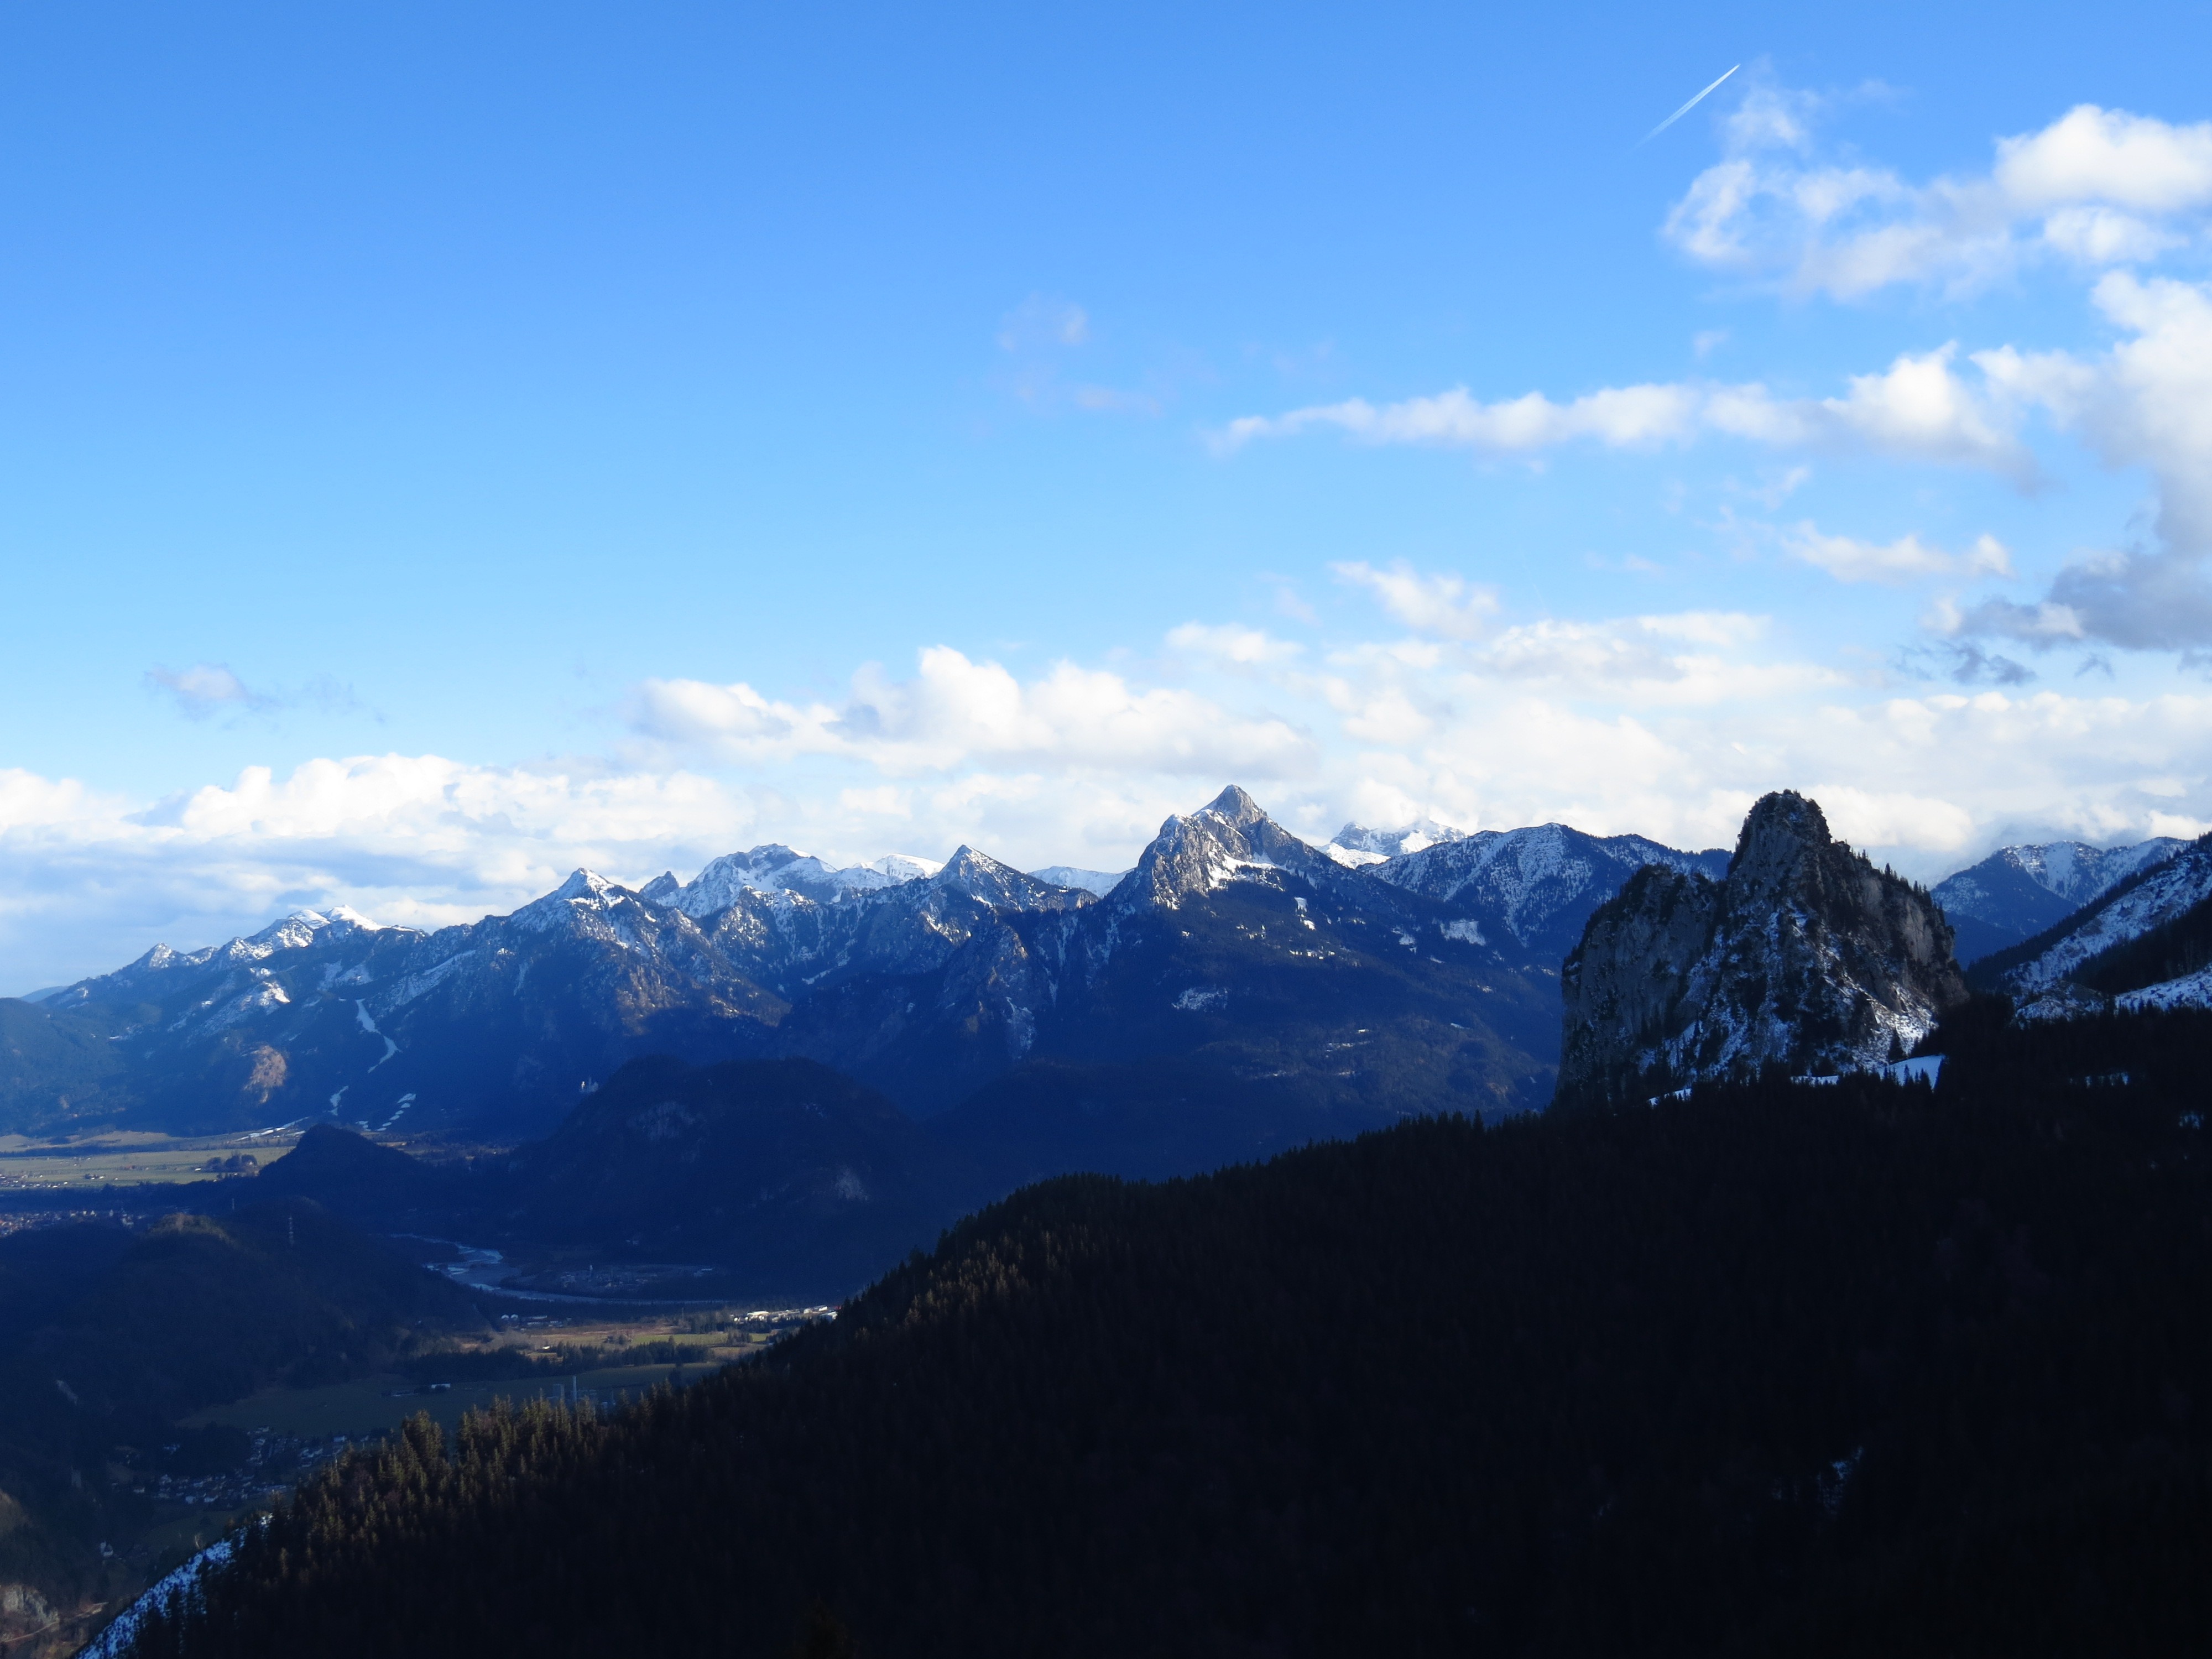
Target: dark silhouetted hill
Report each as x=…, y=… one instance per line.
x=1772, y=1370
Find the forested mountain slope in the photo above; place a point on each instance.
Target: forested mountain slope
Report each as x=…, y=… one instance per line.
x=1772, y=1370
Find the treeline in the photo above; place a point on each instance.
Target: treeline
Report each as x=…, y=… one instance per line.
x=1776, y=1369
x=498, y=1364
x=2177, y=947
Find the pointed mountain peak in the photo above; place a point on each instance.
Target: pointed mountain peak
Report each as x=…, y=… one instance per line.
x=770, y=856
x=1786, y=812
x=1229, y=839
x=582, y=884
x=965, y=861
x=1237, y=807
x=983, y=878
x=1780, y=832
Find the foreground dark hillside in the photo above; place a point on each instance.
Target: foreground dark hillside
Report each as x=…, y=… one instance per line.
x=108, y=1336
x=1817, y=1371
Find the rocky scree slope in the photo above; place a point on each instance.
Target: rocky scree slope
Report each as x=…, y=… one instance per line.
x=1803, y=955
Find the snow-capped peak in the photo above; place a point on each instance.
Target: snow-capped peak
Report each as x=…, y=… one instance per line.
x=1355, y=844
x=1229, y=839
x=588, y=884
x=904, y=866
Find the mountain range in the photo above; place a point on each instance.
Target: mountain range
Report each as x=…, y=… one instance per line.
x=1326, y=988
x=1352, y=994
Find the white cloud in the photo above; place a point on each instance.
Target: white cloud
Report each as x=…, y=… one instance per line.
x=2146, y=402
x=1905, y=560
x=2096, y=187
x=1920, y=408
x=1635, y=417
x=954, y=713
x=1230, y=644
x=1443, y=604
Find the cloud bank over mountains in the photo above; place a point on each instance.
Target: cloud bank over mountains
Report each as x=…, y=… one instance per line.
x=1668, y=724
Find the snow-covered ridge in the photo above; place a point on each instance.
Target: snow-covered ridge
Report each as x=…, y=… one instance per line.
x=2073, y=870
x=2164, y=893
x=1356, y=845
x=774, y=868
x=2070, y=870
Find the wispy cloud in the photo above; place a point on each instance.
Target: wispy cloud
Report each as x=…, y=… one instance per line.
x=954, y=712
x=1442, y=604
x=212, y=690
x=1907, y=559
x=1040, y=341
x=1921, y=408
x=206, y=689
x=2094, y=189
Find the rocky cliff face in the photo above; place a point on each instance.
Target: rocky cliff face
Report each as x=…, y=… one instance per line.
x=1804, y=955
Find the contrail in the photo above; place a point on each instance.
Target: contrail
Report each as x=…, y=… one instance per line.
x=1687, y=107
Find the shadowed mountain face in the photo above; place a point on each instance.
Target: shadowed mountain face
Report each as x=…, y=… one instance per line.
x=498, y=1024
x=1805, y=956
x=1536, y=887
x=802, y=1178
x=2019, y=891
x=1422, y=981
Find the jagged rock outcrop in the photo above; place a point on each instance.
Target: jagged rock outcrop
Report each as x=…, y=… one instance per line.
x=1804, y=955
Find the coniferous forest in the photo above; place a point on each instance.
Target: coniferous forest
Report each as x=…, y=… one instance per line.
x=1866, y=1368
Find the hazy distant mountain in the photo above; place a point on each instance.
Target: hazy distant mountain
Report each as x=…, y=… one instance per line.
x=1357, y=845
x=1804, y=955
x=1101, y=882
x=2018, y=892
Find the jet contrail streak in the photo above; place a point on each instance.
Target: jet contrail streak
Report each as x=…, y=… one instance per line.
x=1687, y=107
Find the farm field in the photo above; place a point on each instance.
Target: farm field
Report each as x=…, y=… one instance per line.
x=123, y=1160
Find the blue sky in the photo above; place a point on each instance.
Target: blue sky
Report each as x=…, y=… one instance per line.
x=440, y=447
